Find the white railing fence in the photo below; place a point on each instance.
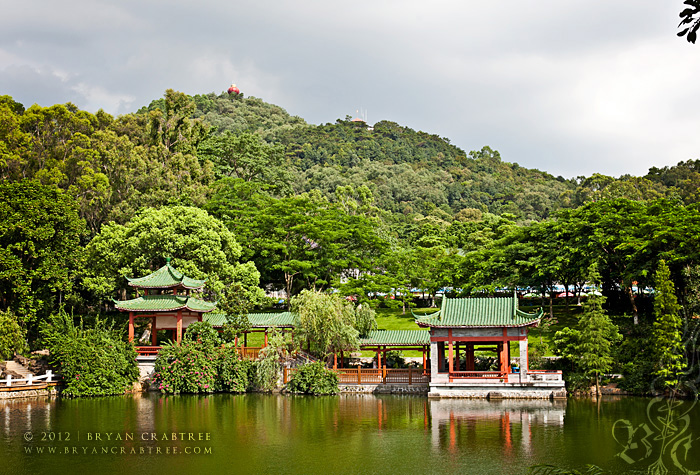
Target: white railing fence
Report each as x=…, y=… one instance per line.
x=29, y=380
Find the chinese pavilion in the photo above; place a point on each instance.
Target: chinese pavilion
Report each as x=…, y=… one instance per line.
x=166, y=300
x=463, y=326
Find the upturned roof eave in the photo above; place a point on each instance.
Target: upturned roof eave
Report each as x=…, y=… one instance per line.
x=179, y=285
x=442, y=325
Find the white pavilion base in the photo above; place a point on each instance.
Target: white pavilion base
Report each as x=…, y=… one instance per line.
x=514, y=386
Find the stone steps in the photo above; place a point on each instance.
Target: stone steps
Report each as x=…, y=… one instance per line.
x=17, y=368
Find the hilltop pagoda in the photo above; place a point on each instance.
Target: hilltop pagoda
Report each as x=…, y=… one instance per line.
x=166, y=300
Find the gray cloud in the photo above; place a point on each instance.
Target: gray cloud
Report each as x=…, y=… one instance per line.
x=571, y=87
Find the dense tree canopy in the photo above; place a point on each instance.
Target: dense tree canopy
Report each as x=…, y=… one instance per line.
x=40, y=253
x=200, y=247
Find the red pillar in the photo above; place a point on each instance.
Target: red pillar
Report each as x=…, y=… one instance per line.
x=450, y=355
x=335, y=356
x=265, y=337
x=131, y=326
x=154, y=333
x=179, y=326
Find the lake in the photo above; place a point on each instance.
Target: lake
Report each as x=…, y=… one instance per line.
x=269, y=433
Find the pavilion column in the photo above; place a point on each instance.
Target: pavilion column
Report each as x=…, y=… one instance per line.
x=154, y=333
x=523, y=356
x=469, y=357
x=450, y=355
x=423, y=359
x=131, y=326
x=335, y=358
x=502, y=356
x=458, y=360
x=179, y=326
x=245, y=339
x=265, y=338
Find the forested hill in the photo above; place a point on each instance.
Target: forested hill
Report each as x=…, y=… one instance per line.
x=413, y=172
x=407, y=171
x=174, y=150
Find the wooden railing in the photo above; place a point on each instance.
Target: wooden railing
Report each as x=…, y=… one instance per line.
x=249, y=352
x=147, y=350
x=374, y=375
x=478, y=374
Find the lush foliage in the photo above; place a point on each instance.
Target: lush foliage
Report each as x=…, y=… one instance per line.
x=93, y=361
x=203, y=334
x=370, y=212
x=268, y=366
x=12, y=339
x=197, y=367
x=39, y=249
x=313, y=378
x=200, y=246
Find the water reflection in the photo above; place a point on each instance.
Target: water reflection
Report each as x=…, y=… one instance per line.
x=342, y=434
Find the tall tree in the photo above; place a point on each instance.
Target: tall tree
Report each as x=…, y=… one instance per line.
x=668, y=325
x=597, y=336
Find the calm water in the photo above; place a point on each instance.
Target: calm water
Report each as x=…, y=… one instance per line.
x=343, y=434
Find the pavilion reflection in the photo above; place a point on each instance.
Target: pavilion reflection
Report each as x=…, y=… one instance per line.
x=457, y=423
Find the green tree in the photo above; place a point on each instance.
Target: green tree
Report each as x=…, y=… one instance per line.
x=245, y=156
x=40, y=253
x=325, y=323
x=668, y=345
x=199, y=244
x=598, y=335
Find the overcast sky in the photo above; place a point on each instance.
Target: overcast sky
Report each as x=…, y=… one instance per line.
x=571, y=87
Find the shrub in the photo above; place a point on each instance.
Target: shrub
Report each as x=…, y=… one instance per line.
x=186, y=368
x=196, y=367
x=202, y=332
x=394, y=359
x=313, y=378
x=11, y=336
x=234, y=375
x=93, y=361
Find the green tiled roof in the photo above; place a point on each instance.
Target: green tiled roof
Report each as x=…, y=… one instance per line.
x=479, y=312
x=164, y=303
x=164, y=278
x=396, y=338
x=257, y=320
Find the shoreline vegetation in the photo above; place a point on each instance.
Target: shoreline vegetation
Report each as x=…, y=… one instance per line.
x=381, y=217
